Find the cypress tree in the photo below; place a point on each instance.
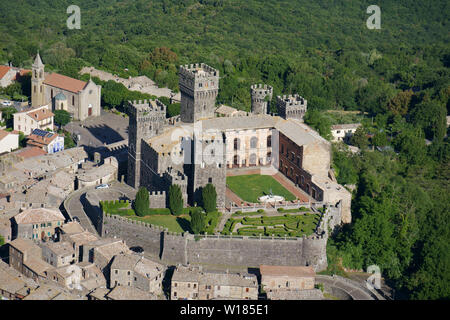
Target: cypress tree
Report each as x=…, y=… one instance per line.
x=209, y=197
x=198, y=224
x=142, y=203
x=175, y=200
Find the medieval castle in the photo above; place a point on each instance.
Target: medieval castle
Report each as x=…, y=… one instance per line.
x=198, y=148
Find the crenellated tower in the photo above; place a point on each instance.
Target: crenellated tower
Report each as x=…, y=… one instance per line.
x=147, y=119
x=291, y=106
x=261, y=97
x=199, y=86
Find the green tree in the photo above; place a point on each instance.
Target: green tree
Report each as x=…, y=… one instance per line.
x=209, y=197
x=198, y=224
x=141, y=204
x=319, y=122
x=359, y=138
x=175, y=200
x=62, y=117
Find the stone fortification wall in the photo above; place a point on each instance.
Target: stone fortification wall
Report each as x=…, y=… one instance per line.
x=218, y=250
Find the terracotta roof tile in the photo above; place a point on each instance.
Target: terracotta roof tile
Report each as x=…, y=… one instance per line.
x=40, y=114
x=64, y=82
x=38, y=215
x=30, y=152
x=290, y=271
x=4, y=70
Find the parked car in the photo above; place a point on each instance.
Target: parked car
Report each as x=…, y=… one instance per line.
x=102, y=186
x=76, y=219
x=6, y=103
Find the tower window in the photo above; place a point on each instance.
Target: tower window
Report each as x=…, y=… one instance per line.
x=209, y=180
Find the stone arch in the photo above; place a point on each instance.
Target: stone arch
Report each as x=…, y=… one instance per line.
x=269, y=141
x=254, y=142
x=236, y=160
x=237, y=144
x=253, y=159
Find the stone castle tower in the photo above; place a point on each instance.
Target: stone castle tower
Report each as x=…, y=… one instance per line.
x=261, y=97
x=37, y=82
x=199, y=86
x=208, y=165
x=291, y=106
x=147, y=119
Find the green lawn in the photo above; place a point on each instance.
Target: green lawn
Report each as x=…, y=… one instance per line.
x=172, y=223
x=250, y=187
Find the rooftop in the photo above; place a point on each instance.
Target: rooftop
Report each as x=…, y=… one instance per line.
x=129, y=293
x=41, y=114
x=345, y=126
x=60, y=248
x=38, y=215
x=288, y=271
x=63, y=82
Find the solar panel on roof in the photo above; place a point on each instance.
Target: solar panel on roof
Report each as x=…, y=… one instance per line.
x=40, y=132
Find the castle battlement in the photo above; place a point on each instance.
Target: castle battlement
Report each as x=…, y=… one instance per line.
x=261, y=95
x=292, y=100
x=198, y=70
x=147, y=106
x=157, y=193
x=261, y=90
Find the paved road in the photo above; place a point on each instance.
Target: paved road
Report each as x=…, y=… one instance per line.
x=74, y=205
x=356, y=290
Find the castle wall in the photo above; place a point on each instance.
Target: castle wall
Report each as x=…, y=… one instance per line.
x=224, y=251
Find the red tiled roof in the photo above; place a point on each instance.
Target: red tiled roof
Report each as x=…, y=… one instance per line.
x=39, y=141
x=4, y=70
x=40, y=114
x=30, y=152
x=64, y=82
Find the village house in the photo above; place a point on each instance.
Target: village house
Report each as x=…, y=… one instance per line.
x=39, y=117
x=136, y=271
x=58, y=254
x=191, y=283
x=279, y=278
x=343, y=132
x=9, y=141
x=26, y=257
x=39, y=223
x=50, y=142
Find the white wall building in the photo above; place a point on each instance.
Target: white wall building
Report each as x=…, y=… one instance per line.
x=8, y=141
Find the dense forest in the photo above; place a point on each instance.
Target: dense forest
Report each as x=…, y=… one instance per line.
x=398, y=77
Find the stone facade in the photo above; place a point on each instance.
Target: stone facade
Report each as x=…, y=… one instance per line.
x=199, y=86
x=261, y=97
x=291, y=106
x=82, y=99
x=136, y=271
x=223, y=250
x=147, y=119
x=191, y=283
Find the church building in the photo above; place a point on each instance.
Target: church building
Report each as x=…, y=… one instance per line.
x=81, y=99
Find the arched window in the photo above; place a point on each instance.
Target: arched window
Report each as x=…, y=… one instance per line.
x=253, y=142
x=236, y=144
x=269, y=141
x=253, y=159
